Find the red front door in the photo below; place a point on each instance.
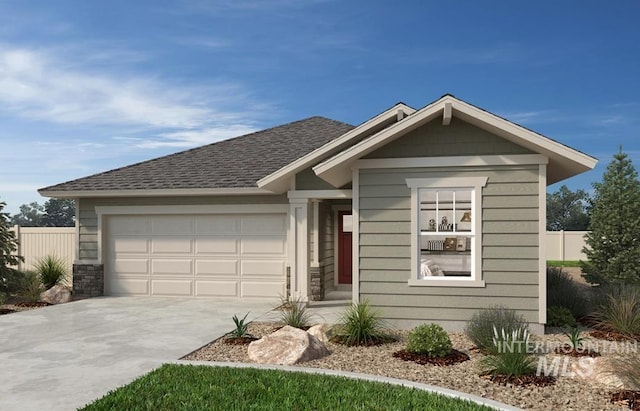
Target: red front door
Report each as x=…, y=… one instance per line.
x=345, y=227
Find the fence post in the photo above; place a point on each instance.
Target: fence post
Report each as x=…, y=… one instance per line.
x=16, y=231
x=563, y=246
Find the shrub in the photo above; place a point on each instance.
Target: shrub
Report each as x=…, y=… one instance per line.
x=628, y=369
x=294, y=313
x=52, y=270
x=429, y=339
x=480, y=328
x=619, y=310
x=3, y=298
x=31, y=287
x=361, y=325
x=11, y=280
x=558, y=316
x=510, y=357
x=563, y=291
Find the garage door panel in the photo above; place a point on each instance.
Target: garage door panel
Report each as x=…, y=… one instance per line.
x=261, y=289
x=171, y=266
x=130, y=225
x=219, y=245
x=216, y=288
x=131, y=266
x=217, y=267
x=172, y=225
x=267, y=224
x=213, y=225
x=129, y=286
x=170, y=245
x=171, y=287
x=262, y=268
x=262, y=245
x=238, y=255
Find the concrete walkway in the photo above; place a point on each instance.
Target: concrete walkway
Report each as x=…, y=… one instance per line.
x=63, y=357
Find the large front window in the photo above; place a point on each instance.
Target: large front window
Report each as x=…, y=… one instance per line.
x=446, y=219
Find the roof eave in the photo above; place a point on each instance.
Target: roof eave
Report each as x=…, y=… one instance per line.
x=278, y=181
x=154, y=192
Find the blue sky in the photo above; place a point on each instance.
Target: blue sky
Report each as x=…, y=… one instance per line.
x=89, y=86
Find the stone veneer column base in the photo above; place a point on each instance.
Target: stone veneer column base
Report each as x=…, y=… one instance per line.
x=88, y=280
x=316, y=284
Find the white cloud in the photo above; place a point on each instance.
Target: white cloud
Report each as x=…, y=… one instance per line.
x=36, y=84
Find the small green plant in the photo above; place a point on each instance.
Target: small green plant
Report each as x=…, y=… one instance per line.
x=3, y=298
x=52, y=270
x=31, y=287
x=480, y=327
x=242, y=327
x=574, y=337
x=509, y=354
x=619, y=310
x=563, y=291
x=558, y=316
x=361, y=325
x=10, y=280
x=294, y=313
x=429, y=339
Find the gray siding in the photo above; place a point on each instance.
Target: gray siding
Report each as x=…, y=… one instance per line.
x=457, y=139
x=88, y=221
x=509, y=251
x=326, y=247
x=308, y=180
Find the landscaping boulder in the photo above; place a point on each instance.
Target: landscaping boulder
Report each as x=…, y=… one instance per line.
x=58, y=294
x=287, y=346
x=322, y=332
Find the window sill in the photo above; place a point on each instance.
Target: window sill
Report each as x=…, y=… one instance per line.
x=437, y=282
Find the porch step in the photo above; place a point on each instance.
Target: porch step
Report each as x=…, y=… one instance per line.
x=338, y=295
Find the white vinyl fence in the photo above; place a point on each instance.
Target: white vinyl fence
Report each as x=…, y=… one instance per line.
x=565, y=245
x=38, y=242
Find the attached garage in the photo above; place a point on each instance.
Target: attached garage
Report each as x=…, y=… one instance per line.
x=202, y=255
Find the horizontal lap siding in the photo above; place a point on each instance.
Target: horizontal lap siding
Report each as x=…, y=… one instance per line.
x=88, y=221
x=509, y=255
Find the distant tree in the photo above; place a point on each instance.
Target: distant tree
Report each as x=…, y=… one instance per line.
x=613, y=243
x=567, y=210
x=8, y=247
x=59, y=212
x=30, y=215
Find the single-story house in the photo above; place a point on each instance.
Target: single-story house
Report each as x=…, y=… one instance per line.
x=430, y=214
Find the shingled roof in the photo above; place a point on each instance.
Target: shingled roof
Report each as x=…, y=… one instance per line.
x=235, y=163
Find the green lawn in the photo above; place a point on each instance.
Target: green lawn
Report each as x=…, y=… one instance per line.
x=568, y=263
x=189, y=387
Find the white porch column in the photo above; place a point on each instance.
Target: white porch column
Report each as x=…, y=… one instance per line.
x=299, y=248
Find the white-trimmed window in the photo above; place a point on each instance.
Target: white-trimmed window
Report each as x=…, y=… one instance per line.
x=446, y=231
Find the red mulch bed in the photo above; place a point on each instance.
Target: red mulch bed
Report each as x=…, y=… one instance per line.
x=239, y=341
x=523, y=380
x=30, y=304
x=629, y=398
x=455, y=357
x=611, y=336
x=567, y=349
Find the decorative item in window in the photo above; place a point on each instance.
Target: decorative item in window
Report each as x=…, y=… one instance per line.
x=466, y=217
x=450, y=244
x=432, y=224
x=461, y=244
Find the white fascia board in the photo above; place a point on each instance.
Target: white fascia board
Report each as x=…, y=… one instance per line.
x=274, y=181
x=520, y=135
x=453, y=161
x=337, y=169
x=319, y=194
x=159, y=193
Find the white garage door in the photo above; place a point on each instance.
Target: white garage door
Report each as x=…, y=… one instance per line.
x=196, y=255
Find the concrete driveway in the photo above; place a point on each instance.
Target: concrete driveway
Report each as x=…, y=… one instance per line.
x=63, y=357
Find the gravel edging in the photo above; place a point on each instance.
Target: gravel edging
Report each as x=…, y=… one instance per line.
x=359, y=376
x=567, y=394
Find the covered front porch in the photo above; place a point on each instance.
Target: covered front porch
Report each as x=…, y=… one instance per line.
x=320, y=245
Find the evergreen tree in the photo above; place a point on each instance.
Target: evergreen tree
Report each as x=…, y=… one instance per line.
x=613, y=243
x=59, y=212
x=8, y=246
